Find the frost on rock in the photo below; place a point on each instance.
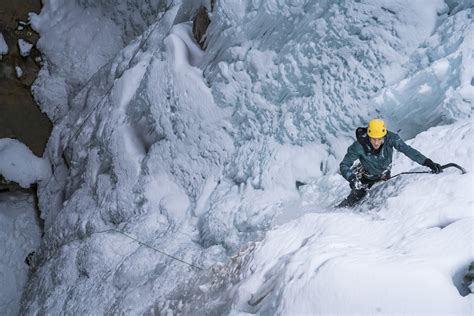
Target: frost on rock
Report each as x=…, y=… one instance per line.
x=196, y=154
x=25, y=47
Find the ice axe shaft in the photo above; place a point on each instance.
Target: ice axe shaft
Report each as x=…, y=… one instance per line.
x=455, y=166
x=449, y=165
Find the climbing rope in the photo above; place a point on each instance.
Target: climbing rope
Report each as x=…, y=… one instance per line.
x=143, y=244
x=155, y=249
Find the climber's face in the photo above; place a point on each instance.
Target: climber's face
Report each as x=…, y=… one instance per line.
x=376, y=142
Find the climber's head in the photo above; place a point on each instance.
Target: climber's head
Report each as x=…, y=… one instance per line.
x=376, y=131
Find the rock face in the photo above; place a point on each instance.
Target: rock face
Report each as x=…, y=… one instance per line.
x=200, y=24
x=20, y=116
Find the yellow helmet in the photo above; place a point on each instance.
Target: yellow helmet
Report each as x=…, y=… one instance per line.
x=376, y=129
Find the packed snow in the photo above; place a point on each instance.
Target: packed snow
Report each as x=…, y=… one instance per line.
x=19, y=235
x=173, y=176
x=19, y=164
x=25, y=47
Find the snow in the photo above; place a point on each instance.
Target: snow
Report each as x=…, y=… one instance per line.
x=444, y=64
x=19, y=235
x=410, y=244
x=197, y=153
x=18, y=71
x=25, y=47
x=19, y=164
x=3, y=45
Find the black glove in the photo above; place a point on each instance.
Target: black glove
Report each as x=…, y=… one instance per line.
x=385, y=175
x=435, y=167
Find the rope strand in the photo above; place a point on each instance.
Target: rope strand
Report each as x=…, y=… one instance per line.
x=155, y=249
x=146, y=245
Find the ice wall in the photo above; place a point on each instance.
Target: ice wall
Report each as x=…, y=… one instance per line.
x=196, y=152
x=438, y=86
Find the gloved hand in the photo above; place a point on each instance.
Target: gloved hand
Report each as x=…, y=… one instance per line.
x=385, y=175
x=435, y=167
x=355, y=183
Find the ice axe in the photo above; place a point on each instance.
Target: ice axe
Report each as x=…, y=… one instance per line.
x=449, y=165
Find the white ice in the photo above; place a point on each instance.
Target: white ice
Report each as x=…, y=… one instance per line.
x=197, y=153
x=25, y=47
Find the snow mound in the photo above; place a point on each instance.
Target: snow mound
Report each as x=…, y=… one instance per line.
x=19, y=164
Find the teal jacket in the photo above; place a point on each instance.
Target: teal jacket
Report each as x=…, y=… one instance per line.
x=375, y=162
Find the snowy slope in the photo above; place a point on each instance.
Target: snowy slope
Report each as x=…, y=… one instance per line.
x=196, y=153
x=19, y=235
x=405, y=251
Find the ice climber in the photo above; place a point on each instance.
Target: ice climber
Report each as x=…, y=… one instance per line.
x=374, y=150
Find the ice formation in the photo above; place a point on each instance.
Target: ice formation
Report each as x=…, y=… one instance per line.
x=196, y=154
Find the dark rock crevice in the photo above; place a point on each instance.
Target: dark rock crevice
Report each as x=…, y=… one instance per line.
x=201, y=22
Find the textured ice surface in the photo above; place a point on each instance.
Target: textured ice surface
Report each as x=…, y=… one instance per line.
x=438, y=88
x=19, y=235
x=196, y=153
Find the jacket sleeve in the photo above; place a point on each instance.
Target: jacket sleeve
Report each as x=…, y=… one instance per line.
x=408, y=151
x=346, y=163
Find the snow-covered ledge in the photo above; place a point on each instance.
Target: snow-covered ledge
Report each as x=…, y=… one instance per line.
x=19, y=230
x=19, y=164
